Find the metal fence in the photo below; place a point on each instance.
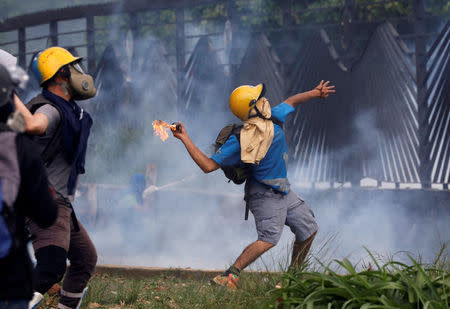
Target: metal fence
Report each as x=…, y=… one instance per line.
x=392, y=73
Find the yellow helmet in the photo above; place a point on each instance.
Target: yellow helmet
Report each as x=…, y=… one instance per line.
x=49, y=61
x=243, y=98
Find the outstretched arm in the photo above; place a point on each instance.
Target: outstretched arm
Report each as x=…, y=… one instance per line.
x=321, y=91
x=35, y=124
x=206, y=164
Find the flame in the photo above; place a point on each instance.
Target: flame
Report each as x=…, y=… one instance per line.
x=161, y=129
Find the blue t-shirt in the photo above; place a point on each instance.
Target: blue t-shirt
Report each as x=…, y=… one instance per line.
x=272, y=170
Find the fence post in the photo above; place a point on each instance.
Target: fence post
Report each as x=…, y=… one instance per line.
x=234, y=20
x=54, y=33
x=135, y=26
x=286, y=7
x=347, y=21
x=90, y=34
x=22, y=47
x=180, y=55
x=421, y=71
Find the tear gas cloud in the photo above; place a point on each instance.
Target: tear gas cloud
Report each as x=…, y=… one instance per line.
x=199, y=222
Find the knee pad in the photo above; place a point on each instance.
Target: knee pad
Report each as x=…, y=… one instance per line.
x=50, y=268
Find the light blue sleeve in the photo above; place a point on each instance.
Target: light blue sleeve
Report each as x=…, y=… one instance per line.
x=229, y=154
x=281, y=111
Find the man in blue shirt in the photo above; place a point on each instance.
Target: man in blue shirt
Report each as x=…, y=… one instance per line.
x=262, y=147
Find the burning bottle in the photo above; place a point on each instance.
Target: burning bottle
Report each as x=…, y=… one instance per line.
x=161, y=128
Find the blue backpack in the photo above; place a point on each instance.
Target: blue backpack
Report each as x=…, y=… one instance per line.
x=6, y=226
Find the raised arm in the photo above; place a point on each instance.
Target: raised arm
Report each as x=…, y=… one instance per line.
x=35, y=124
x=206, y=164
x=321, y=91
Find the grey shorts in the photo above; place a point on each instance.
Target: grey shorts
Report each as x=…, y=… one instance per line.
x=273, y=210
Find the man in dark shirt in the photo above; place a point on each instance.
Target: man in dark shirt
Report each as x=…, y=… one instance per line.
x=24, y=188
x=62, y=129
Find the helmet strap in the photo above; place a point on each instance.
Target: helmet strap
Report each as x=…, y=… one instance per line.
x=258, y=113
x=253, y=105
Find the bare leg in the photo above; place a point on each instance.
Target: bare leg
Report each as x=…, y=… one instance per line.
x=300, y=251
x=251, y=253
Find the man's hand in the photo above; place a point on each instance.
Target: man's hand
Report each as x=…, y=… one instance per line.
x=323, y=90
x=149, y=191
x=180, y=132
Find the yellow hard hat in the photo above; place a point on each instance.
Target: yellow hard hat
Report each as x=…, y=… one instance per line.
x=243, y=98
x=49, y=61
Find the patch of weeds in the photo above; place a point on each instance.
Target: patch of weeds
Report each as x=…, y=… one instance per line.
x=128, y=293
x=392, y=284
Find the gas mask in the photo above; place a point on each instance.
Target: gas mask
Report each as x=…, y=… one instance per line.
x=82, y=84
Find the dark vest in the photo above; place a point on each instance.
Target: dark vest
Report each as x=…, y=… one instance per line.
x=54, y=145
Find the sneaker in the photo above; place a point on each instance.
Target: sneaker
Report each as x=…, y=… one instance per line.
x=228, y=280
x=35, y=301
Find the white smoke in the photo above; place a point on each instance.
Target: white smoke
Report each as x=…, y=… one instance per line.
x=200, y=223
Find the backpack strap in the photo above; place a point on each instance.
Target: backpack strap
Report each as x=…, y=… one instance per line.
x=277, y=121
x=236, y=131
x=54, y=144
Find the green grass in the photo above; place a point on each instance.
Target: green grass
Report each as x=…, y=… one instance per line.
x=390, y=285
x=338, y=284
x=168, y=291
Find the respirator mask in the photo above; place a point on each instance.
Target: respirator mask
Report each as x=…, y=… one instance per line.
x=82, y=84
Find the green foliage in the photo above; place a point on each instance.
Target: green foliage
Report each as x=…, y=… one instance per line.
x=249, y=9
x=212, y=11
x=378, y=285
x=259, y=14
x=437, y=7
x=391, y=285
x=320, y=12
x=160, y=24
x=210, y=18
x=376, y=11
x=11, y=8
